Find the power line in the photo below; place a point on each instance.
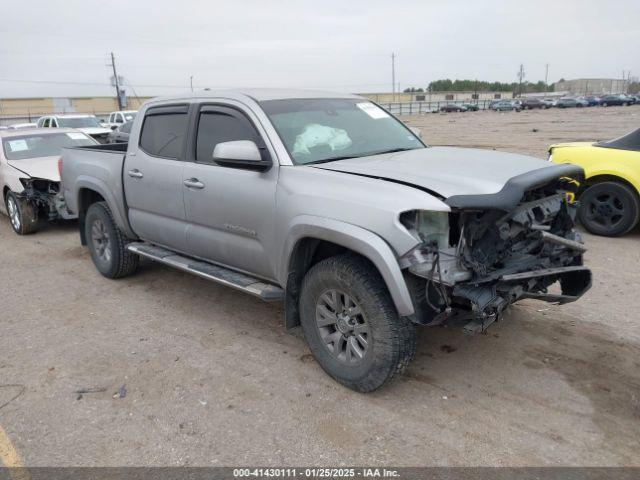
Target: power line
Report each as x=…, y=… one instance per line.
x=94, y=84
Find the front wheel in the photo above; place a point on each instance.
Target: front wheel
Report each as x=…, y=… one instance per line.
x=107, y=244
x=351, y=324
x=610, y=209
x=23, y=214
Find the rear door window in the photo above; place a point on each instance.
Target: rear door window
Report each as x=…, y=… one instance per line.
x=164, y=131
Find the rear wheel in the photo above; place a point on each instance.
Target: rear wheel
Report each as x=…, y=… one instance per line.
x=23, y=215
x=351, y=324
x=107, y=244
x=609, y=208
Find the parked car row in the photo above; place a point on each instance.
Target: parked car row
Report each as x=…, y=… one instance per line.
x=531, y=103
x=321, y=200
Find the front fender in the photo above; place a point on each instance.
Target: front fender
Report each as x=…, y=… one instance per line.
x=356, y=239
x=116, y=206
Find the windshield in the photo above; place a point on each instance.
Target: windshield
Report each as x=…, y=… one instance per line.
x=322, y=130
x=79, y=122
x=43, y=145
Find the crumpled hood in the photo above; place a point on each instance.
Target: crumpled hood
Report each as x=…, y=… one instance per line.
x=446, y=171
x=41, y=167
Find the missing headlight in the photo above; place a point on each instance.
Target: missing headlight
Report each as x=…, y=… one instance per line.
x=430, y=227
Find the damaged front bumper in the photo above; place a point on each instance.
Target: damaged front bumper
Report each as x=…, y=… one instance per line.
x=47, y=197
x=495, y=257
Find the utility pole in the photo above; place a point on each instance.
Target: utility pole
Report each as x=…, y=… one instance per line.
x=521, y=77
x=191, y=82
x=546, y=78
x=115, y=76
x=393, y=75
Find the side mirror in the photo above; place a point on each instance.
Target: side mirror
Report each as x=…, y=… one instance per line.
x=416, y=131
x=241, y=154
x=114, y=127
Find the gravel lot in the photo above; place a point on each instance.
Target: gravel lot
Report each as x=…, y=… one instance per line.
x=212, y=377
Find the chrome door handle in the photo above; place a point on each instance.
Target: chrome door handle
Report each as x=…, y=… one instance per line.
x=193, y=183
x=135, y=173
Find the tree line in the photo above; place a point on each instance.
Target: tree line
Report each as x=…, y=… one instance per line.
x=447, y=85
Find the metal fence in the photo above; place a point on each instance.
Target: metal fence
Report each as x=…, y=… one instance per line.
x=396, y=108
x=418, y=108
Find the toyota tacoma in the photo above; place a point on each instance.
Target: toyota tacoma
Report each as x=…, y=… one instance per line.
x=327, y=202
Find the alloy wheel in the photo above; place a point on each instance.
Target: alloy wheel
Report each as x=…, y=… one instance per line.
x=14, y=213
x=343, y=326
x=100, y=240
x=606, y=210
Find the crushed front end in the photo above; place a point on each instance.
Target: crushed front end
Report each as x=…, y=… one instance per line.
x=46, y=197
x=493, y=250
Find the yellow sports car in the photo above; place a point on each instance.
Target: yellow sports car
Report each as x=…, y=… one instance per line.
x=610, y=196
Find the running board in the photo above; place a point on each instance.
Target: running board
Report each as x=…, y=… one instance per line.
x=215, y=273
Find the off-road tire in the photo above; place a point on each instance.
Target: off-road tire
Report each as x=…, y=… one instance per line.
x=121, y=262
x=27, y=214
x=392, y=339
x=627, y=199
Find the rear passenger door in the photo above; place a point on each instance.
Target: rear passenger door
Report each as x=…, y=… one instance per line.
x=230, y=210
x=153, y=177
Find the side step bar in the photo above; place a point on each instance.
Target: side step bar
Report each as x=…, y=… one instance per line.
x=215, y=273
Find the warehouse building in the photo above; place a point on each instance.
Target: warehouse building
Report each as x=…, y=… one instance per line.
x=594, y=86
x=18, y=110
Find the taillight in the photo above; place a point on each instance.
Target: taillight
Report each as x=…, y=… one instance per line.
x=60, y=167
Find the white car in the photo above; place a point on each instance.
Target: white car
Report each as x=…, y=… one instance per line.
x=119, y=118
x=86, y=123
x=29, y=174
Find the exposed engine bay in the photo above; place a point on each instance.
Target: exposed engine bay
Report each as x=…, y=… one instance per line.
x=473, y=263
x=46, y=197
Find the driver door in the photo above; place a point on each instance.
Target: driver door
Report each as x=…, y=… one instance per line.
x=230, y=211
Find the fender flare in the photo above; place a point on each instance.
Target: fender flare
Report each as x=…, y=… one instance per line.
x=117, y=208
x=357, y=239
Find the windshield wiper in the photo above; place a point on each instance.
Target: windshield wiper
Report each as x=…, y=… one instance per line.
x=347, y=157
x=331, y=159
x=393, y=150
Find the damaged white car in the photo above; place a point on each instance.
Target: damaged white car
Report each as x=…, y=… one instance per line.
x=29, y=175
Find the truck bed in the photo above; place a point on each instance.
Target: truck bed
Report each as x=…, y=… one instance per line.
x=97, y=168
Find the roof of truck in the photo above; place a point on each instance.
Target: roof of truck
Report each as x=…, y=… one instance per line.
x=262, y=94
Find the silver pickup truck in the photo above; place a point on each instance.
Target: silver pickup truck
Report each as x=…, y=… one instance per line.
x=329, y=203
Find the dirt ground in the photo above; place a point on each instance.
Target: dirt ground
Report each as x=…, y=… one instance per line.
x=185, y=372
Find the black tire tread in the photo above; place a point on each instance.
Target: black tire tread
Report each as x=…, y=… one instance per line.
x=28, y=215
x=633, y=194
x=127, y=262
x=402, y=340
